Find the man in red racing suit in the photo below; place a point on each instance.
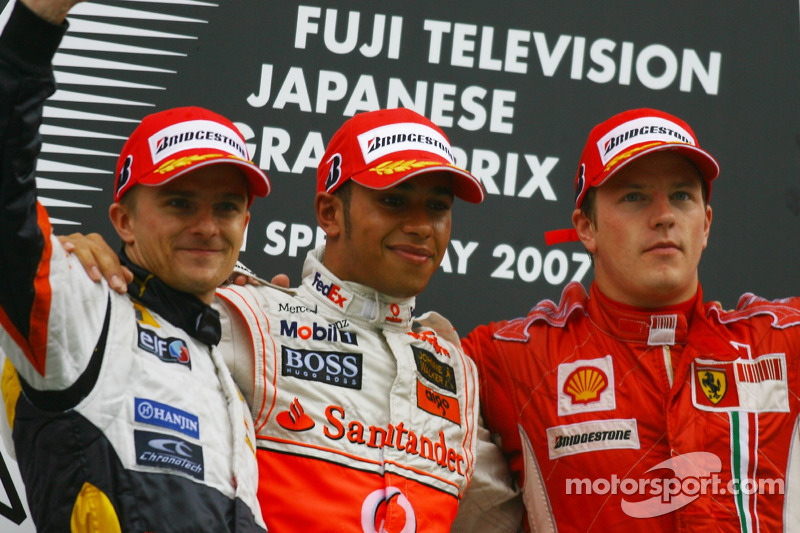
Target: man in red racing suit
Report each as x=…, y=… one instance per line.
x=648, y=410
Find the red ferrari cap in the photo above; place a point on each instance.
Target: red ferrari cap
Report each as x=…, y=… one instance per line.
x=623, y=138
x=171, y=143
x=380, y=149
x=631, y=134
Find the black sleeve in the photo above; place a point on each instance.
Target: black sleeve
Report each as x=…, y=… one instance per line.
x=27, y=46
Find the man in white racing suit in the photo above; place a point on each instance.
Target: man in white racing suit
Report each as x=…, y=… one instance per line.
x=124, y=415
x=366, y=417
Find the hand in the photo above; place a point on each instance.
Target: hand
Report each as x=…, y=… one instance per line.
x=98, y=259
x=281, y=280
x=54, y=11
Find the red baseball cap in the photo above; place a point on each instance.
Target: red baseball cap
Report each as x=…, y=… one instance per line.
x=631, y=134
x=170, y=143
x=380, y=149
x=623, y=138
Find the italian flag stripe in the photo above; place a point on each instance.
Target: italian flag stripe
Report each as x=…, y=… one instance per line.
x=744, y=439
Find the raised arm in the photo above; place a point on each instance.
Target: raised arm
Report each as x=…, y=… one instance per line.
x=36, y=284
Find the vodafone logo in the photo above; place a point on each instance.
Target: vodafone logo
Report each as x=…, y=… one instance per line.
x=373, y=512
x=395, y=310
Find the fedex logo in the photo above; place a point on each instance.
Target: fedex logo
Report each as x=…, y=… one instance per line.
x=330, y=290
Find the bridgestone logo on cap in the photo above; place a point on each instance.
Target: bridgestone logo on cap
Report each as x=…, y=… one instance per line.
x=194, y=135
x=385, y=140
x=640, y=130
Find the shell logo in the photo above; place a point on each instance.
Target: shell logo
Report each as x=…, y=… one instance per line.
x=585, y=384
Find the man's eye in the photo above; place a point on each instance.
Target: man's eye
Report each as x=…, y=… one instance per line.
x=683, y=195
x=440, y=206
x=392, y=201
x=632, y=197
x=178, y=202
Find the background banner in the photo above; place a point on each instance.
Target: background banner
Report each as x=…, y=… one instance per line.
x=516, y=85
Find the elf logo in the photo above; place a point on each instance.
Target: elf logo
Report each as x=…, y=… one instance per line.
x=169, y=350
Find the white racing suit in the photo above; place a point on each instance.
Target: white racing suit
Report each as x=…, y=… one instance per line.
x=124, y=415
x=363, y=423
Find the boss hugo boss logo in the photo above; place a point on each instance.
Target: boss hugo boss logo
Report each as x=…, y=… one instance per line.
x=334, y=368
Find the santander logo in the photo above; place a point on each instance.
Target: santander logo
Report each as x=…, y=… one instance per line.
x=295, y=419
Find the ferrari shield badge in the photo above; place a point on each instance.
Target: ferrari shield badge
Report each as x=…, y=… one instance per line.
x=713, y=383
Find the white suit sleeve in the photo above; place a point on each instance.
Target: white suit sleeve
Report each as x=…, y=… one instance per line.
x=491, y=503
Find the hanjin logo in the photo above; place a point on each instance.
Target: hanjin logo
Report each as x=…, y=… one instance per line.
x=166, y=416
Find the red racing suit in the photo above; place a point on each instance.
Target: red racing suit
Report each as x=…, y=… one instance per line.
x=676, y=419
x=363, y=422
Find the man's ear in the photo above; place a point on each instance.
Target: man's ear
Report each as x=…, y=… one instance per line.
x=707, y=226
x=330, y=214
x=122, y=220
x=585, y=229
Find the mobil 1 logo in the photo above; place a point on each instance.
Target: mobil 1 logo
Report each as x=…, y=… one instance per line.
x=341, y=369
